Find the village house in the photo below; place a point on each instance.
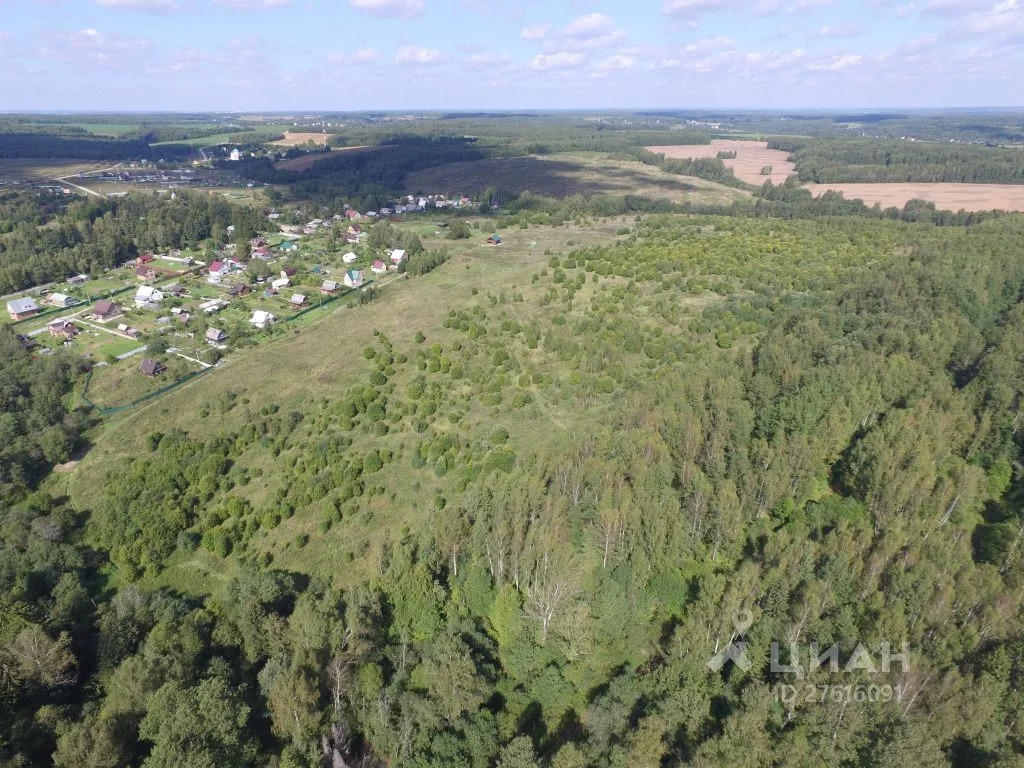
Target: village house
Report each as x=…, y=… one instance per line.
x=127, y=330
x=287, y=246
x=78, y=279
x=63, y=329
x=261, y=319
x=240, y=289
x=378, y=267
x=144, y=258
x=263, y=254
x=354, y=229
x=217, y=270
x=353, y=278
x=298, y=300
x=152, y=368
x=145, y=273
x=60, y=300
x=148, y=297
x=212, y=306
x=397, y=255
x=279, y=283
x=289, y=272
x=19, y=309
x=353, y=215
x=349, y=257
x=27, y=342
x=105, y=309
x=258, y=242
x=329, y=287
x=213, y=336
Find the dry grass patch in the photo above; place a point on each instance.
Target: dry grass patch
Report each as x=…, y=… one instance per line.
x=36, y=169
x=953, y=197
x=294, y=139
x=562, y=175
x=305, y=162
x=751, y=158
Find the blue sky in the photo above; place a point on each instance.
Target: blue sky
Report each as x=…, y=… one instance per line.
x=249, y=55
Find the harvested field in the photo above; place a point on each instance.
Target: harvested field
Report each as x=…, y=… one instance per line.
x=305, y=162
x=293, y=139
x=40, y=169
x=561, y=175
x=751, y=157
x=953, y=197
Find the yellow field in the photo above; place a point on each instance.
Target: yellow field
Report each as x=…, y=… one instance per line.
x=293, y=139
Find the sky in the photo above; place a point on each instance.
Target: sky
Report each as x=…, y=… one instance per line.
x=341, y=55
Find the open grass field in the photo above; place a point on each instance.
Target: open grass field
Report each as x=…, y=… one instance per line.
x=100, y=129
x=123, y=382
x=296, y=368
x=294, y=139
x=751, y=157
x=305, y=162
x=560, y=175
x=953, y=197
x=41, y=169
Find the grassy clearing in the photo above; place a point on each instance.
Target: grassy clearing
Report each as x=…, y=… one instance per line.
x=561, y=175
x=305, y=162
x=290, y=370
x=123, y=382
x=41, y=169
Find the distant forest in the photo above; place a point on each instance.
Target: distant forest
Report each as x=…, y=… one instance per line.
x=872, y=160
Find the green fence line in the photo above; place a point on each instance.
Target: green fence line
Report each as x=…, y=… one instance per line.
x=188, y=377
x=325, y=302
x=118, y=408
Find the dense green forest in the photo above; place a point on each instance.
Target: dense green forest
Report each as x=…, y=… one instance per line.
x=40, y=243
x=86, y=147
x=872, y=160
x=518, y=535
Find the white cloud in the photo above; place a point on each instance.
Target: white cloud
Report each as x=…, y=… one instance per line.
x=691, y=8
x=769, y=7
x=591, y=25
x=589, y=32
x=837, y=62
x=90, y=46
x=361, y=56
x=143, y=6
x=402, y=9
x=535, y=32
x=838, y=30
x=560, y=60
x=252, y=5
x=489, y=59
x=411, y=54
x=952, y=7
x=619, y=62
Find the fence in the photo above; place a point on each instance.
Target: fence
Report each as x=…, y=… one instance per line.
x=118, y=408
x=190, y=376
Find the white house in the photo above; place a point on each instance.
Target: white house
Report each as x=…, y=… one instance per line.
x=262, y=319
x=148, y=297
x=212, y=306
x=397, y=255
x=353, y=278
x=60, y=300
x=349, y=257
x=279, y=283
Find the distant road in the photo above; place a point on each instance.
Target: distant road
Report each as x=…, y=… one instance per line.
x=64, y=180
